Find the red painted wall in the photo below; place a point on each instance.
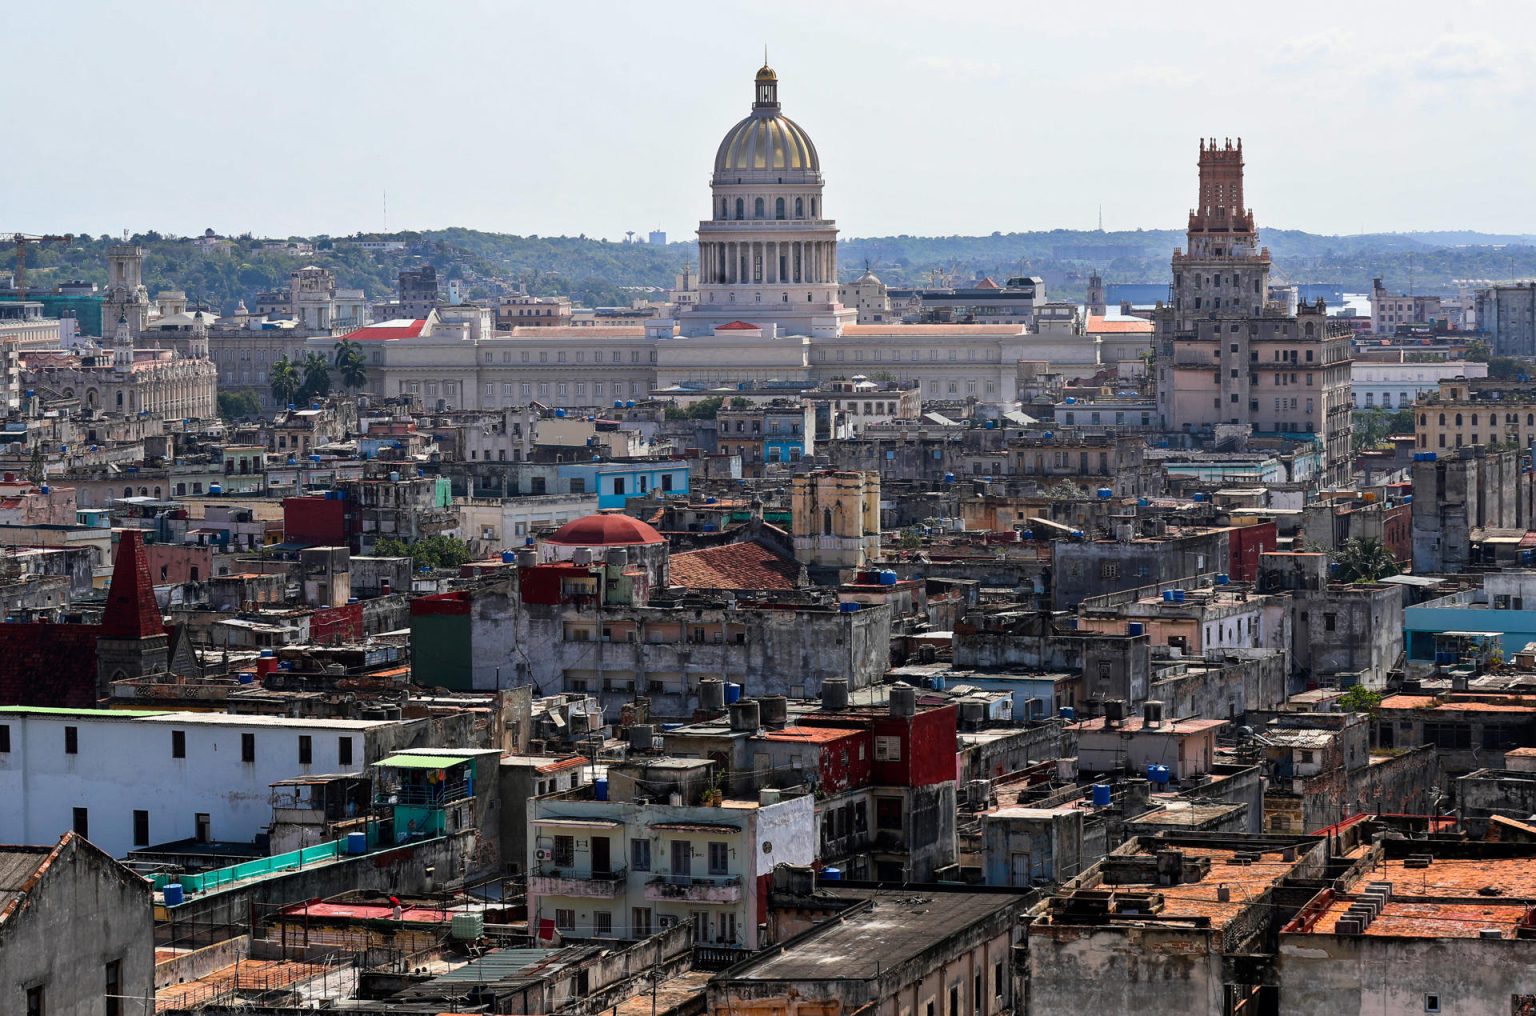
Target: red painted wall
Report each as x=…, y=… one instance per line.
x=1245, y=544
x=842, y=766
x=317, y=521
x=341, y=623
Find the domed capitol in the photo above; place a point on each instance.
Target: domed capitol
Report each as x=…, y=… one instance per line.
x=769, y=305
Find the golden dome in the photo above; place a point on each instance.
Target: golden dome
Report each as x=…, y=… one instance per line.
x=765, y=73
x=766, y=144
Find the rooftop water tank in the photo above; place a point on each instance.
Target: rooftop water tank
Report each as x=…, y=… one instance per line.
x=559, y=414
x=1101, y=795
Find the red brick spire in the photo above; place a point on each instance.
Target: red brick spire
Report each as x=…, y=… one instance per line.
x=131, y=611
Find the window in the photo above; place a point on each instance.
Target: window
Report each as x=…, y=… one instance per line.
x=954, y=1000
x=5, y=738
x=976, y=991
x=306, y=750
x=247, y=747
x=344, y=751
x=719, y=858
x=114, y=988
x=639, y=922
x=887, y=749
x=618, y=484
x=71, y=740
x=682, y=857
x=640, y=854
x=140, y=828
x=997, y=980
x=602, y=923
x=1330, y=622
x=82, y=823
x=565, y=920
x=888, y=813
x=36, y=996
x=565, y=851
x=1431, y=1003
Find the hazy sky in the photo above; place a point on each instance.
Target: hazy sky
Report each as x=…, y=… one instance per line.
x=294, y=116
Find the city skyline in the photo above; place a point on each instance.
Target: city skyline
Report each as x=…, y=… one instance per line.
x=991, y=121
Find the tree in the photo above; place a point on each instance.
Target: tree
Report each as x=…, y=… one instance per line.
x=284, y=380
x=432, y=552
x=350, y=364
x=1360, y=699
x=1477, y=352
x=1364, y=560
x=239, y=405
x=317, y=376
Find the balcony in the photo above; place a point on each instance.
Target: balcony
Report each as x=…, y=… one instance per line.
x=694, y=888
x=596, y=885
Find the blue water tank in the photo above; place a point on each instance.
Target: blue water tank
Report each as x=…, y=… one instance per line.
x=1178, y=596
x=1105, y=493
x=1167, y=595
x=1101, y=796
x=629, y=403
x=247, y=677
x=949, y=477
x=1067, y=713
x=1199, y=496
x=1142, y=502
x=991, y=424
x=618, y=403
x=507, y=557
x=215, y=488
x=1407, y=499
x=266, y=654
x=830, y=874
x=1071, y=401
x=1134, y=628
x=887, y=578
x=600, y=788
x=1028, y=534
x=1047, y=435
x=1222, y=579
x=357, y=843
x=732, y=692
x=938, y=682
x=848, y=607
x=174, y=897
x=1158, y=775
x=559, y=414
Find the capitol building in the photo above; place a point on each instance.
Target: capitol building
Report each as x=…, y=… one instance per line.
x=766, y=308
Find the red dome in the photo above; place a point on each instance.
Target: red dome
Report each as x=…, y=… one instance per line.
x=613, y=530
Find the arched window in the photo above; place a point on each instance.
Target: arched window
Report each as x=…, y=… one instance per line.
x=119, y=400
x=724, y=209
x=826, y=522
x=757, y=208
x=157, y=491
x=813, y=208
x=127, y=491
x=1474, y=420
x=799, y=208
x=778, y=208
x=1442, y=419
x=741, y=209
x=1458, y=419
x=1309, y=329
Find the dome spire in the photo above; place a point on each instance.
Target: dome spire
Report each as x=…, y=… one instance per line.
x=767, y=86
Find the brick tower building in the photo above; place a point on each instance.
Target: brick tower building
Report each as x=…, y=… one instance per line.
x=1229, y=362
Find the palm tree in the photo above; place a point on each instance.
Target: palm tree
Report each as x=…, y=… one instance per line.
x=317, y=375
x=284, y=380
x=1364, y=560
x=350, y=364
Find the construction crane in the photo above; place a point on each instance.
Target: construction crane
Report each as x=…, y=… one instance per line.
x=22, y=240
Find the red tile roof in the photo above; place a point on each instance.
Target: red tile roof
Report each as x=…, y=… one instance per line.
x=735, y=566
x=737, y=326
x=607, y=530
x=1098, y=323
x=401, y=329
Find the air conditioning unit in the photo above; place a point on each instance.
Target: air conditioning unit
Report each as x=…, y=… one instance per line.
x=542, y=855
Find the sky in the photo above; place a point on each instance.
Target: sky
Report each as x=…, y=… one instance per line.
x=298, y=116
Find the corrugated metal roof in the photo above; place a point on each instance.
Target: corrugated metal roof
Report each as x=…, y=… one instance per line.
x=409, y=761
x=500, y=964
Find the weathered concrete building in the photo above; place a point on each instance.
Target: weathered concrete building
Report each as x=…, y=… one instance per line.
x=1093, y=568
x=892, y=953
x=1342, y=633
x=76, y=931
x=1458, y=495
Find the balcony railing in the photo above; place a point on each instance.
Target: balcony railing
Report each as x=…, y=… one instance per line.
x=434, y=795
x=695, y=888
x=550, y=880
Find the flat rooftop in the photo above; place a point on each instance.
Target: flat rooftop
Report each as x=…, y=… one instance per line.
x=1453, y=897
x=897, y=927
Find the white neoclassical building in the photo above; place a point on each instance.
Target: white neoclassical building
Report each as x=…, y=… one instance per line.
x=766, y=307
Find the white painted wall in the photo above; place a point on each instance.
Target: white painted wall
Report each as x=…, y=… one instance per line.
x=124, y=764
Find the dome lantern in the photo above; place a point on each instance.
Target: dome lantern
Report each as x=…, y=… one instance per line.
x=767, y=88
